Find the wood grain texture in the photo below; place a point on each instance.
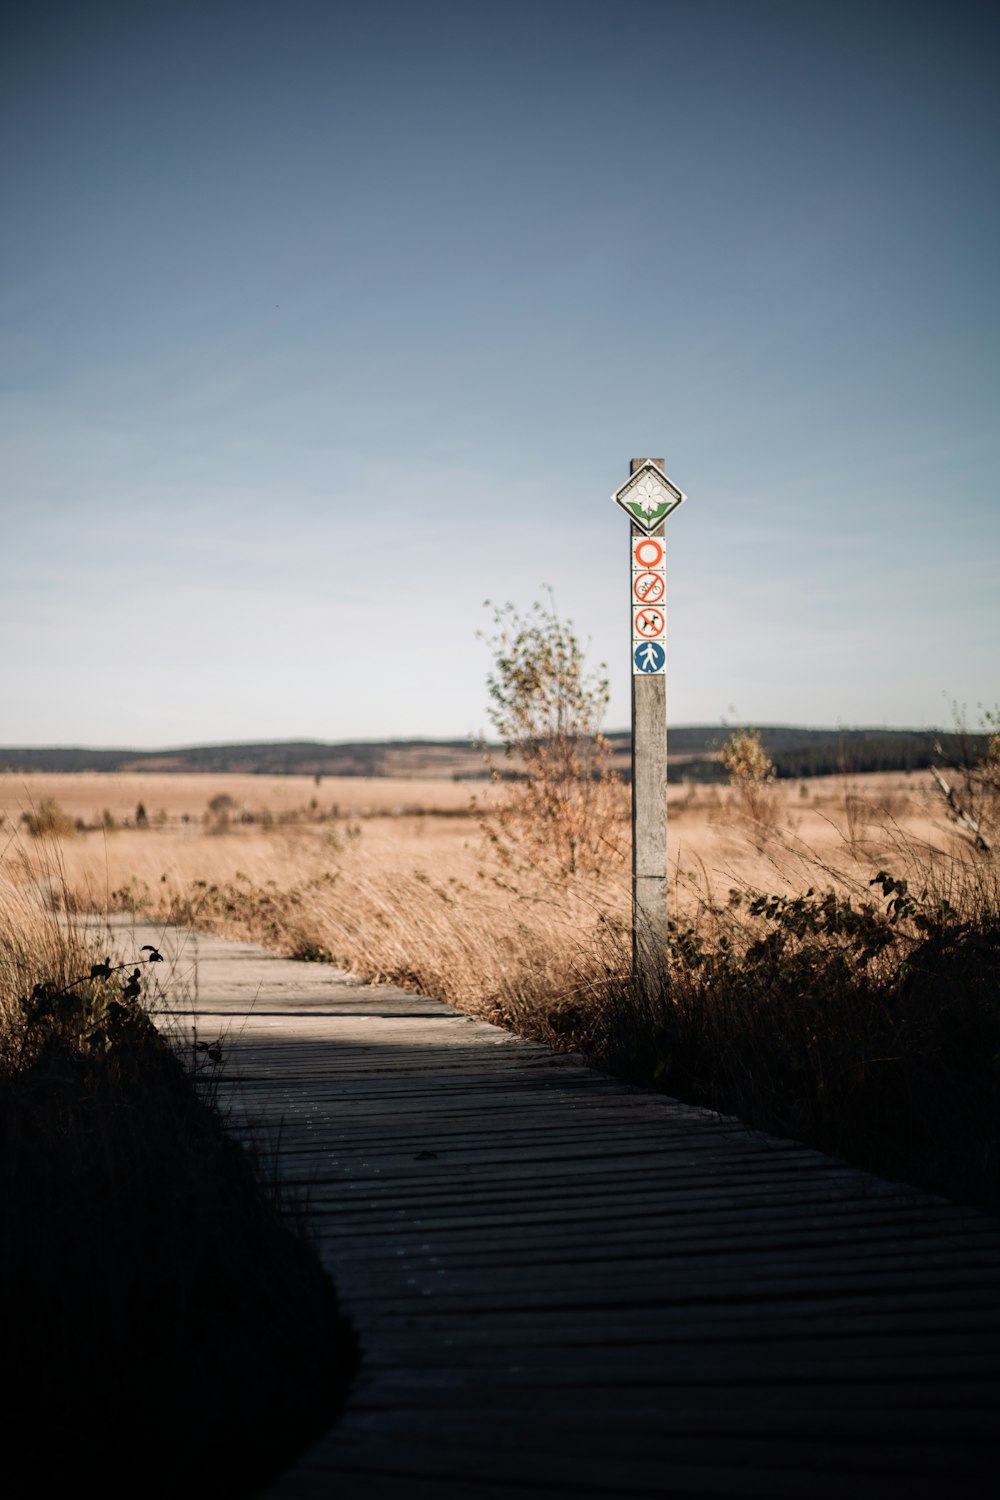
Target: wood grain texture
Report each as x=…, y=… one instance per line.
x=569, y=1287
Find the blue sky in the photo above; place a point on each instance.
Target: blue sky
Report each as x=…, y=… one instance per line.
x=322, y=324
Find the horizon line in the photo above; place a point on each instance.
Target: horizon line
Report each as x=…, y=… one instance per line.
x=473, y=740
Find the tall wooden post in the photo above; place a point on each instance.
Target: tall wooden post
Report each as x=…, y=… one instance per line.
x=649, y=795
x=648, y=497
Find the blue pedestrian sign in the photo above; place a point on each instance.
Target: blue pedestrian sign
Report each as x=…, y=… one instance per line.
x=648, y=657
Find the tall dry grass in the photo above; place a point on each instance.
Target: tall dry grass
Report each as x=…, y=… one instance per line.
x=884, y=1050
x=436, y=903
x=33, y=946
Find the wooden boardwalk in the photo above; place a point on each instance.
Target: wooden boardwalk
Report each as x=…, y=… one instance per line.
x=567, y=1287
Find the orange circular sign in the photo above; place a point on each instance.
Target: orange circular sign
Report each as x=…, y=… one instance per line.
x=648, y=551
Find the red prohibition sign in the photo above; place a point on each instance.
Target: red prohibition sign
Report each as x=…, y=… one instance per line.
x=647, y=551
x=649, y=623
x=649, y=588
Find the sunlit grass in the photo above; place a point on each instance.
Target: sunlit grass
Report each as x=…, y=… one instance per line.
x=800, y=1036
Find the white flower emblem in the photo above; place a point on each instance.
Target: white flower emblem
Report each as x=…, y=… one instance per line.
x=648, y=495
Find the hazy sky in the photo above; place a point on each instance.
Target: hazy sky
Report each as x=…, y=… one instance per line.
x=321, y=323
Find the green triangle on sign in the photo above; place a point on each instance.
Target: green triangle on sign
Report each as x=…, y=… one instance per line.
x=645, y=516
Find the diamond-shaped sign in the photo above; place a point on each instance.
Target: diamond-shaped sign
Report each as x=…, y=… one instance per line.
x=648, y=497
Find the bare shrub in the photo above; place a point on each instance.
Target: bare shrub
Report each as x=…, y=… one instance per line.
x=220, y=808
x=564, y=803
x=971, y=786
x=49, y=820
x=751, y=772
x=985, y=777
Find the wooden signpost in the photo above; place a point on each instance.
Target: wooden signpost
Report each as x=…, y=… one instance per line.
x=647, y=498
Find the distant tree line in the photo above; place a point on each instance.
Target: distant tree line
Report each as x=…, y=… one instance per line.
x=795, y=752
x=871, y=751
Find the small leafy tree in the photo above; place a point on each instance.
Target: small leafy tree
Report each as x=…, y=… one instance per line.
x=563, y=800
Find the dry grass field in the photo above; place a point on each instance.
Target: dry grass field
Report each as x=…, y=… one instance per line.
x=399, y=880
x=288, y=830
x=169, y=798
x=832, y=975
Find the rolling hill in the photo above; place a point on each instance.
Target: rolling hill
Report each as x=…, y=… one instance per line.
x=796, y=752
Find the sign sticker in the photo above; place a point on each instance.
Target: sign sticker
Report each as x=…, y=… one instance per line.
x=648, y=623
x=647, y=658
x=648, y=588
x=647, y=552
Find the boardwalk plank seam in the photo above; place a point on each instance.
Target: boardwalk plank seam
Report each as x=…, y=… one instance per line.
x=836, y=1330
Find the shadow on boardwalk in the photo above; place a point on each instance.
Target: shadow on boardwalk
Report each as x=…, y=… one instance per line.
x=565, y=1286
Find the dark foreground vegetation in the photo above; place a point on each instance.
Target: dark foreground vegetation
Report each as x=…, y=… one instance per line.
x=868, y=1028
x=165, y=1331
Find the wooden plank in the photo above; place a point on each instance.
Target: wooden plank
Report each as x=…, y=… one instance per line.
x=426, y=1453
x=566, y=1286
